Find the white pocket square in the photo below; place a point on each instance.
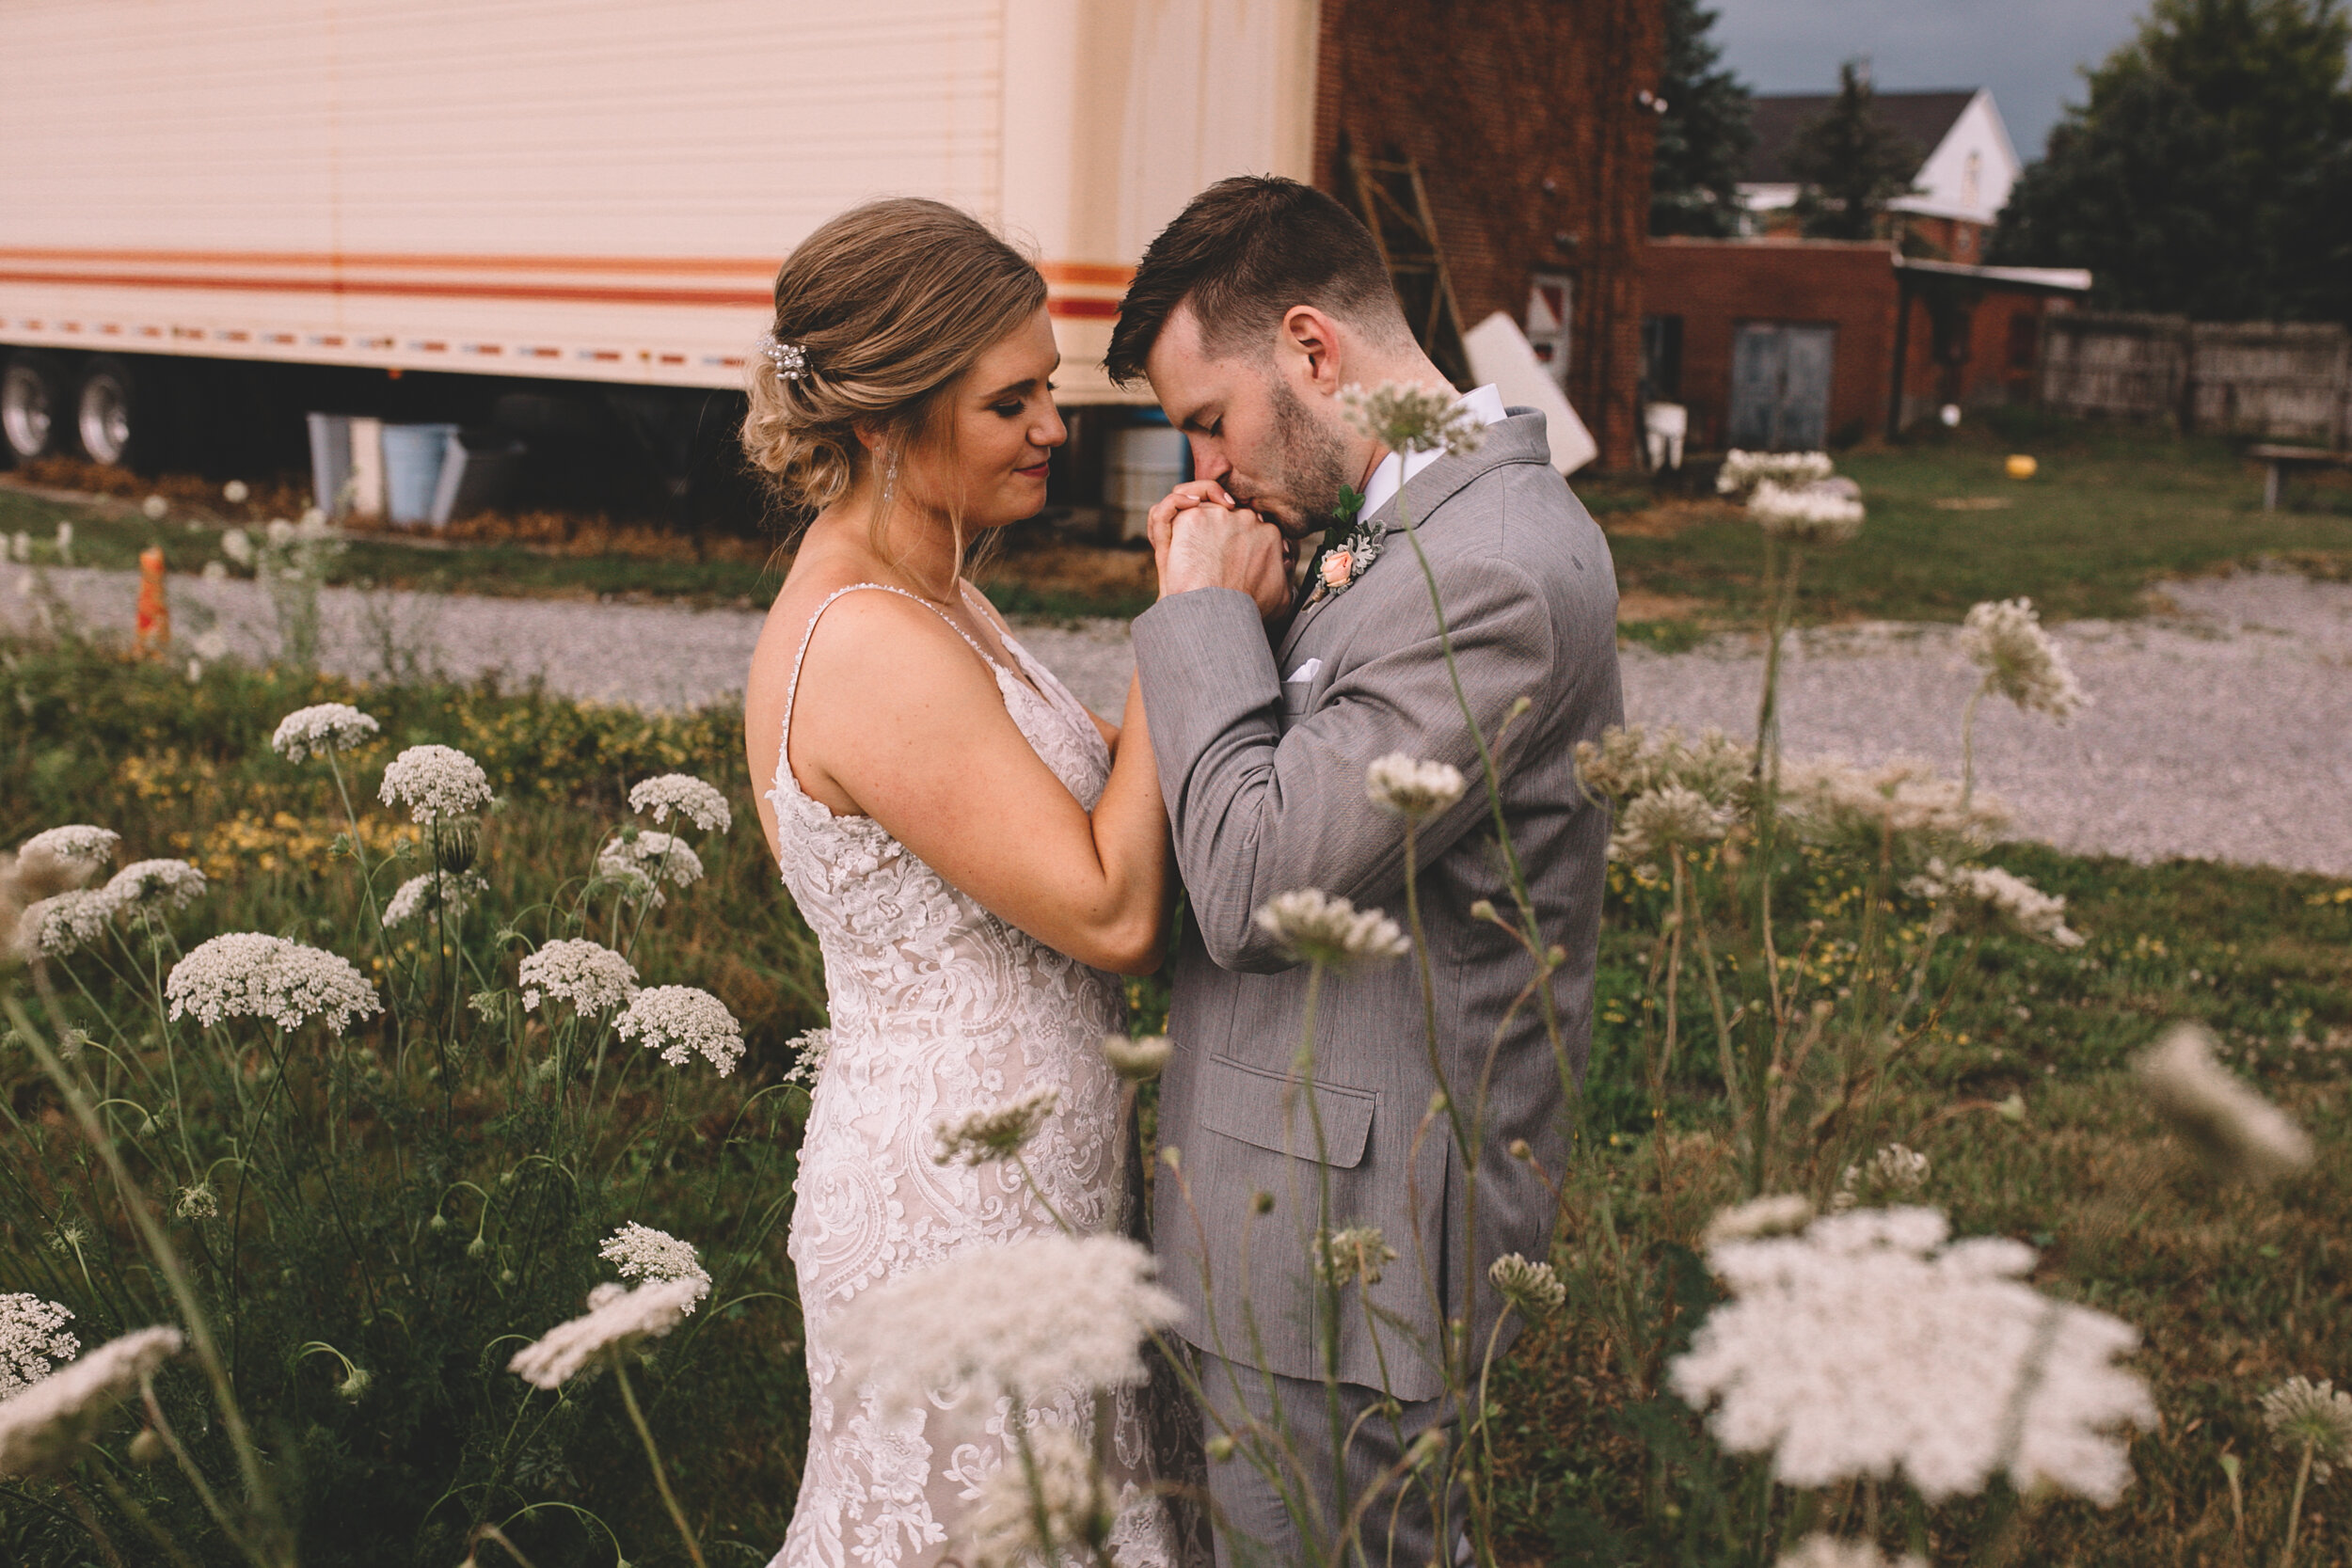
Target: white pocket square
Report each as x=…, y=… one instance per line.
x=1304, y=673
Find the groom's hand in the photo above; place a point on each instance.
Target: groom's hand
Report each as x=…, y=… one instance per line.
x=1204, y=544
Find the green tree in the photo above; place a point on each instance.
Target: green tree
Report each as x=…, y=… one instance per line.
x=1704, y=137
x=2209, y=171
x=1850, y=162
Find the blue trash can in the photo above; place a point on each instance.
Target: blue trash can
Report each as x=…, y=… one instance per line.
x=413, y=455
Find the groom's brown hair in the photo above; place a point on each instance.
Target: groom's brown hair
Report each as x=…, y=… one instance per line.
x=1245, y=252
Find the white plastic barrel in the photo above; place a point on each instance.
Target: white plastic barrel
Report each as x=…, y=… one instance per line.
x=413, y=455
x=1143, y=464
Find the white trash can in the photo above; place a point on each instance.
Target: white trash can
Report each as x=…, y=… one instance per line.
x=1143, y=463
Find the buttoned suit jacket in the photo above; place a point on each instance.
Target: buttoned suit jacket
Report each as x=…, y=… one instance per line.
x=1265, y=785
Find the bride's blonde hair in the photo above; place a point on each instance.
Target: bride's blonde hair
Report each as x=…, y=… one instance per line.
x=886, y=306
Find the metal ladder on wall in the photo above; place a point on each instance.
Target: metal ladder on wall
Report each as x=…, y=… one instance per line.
x=1393, y=202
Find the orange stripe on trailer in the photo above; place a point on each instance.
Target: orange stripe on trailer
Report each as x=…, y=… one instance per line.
x=1081, y=310
x=402, y=261
x=577, y=294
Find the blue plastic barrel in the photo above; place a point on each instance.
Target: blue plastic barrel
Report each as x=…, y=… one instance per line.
x=413, y=455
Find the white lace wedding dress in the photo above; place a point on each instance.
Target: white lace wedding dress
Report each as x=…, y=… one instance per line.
x=940, y=1008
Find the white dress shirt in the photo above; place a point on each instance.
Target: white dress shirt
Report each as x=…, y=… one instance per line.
x=1395, y=468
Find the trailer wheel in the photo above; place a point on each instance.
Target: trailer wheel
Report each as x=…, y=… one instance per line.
x=32, y=405
x=113, y=414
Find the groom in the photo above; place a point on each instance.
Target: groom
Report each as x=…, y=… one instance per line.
x=1248, y=315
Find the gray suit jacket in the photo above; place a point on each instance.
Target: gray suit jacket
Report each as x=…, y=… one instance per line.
x=1264, y=780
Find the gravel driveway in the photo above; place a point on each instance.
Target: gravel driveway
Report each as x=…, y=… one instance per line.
x=2223, y=730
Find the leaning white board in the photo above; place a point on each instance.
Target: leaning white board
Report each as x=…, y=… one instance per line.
x=1501, y=356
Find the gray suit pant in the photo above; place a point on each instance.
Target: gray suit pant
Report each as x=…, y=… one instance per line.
x=1255, y=1525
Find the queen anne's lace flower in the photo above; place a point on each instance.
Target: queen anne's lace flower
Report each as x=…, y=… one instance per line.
x=438, y=783
x=1742, y=472
x=43, y=1429
x=59, y=926
x=1359, y=1252
x=1830, y=800
x=1139, y=1061
x=682, y=1022
x=1894, y=1171
x=2302, y=1415
x=1807, y=515
x=1415, y=790
x=994, y=1131
x=1767, y=1215
x=77, y=844
x=809, y=1049
x=639, y=862
x=2238, y=1131
x=1404, y=416
x=198, y=1202
x=1314, y=927
x=1828, y=1551
x=2005, y=640
x=1068, y=1492
x=1029, y=1319
x=588, y=975
x=1982, y=896
x=690, y=796
x=321, y=728
x=1667, y=819
x=152, y=889
x=1534, y=1288
x=33, y=1340
x=447, y=894
x=1871, y=1345
x=1629, y=761
x=249, y=974
x=615, y=1316
x=656, y=1257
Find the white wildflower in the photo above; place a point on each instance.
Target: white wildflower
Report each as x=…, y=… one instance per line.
x=1742, y=472
x=682, y=1021
x=154, y=509
x=809, y=1049
x=78, y=844
x=1828, y=1551
x=1769, y=1216
x=2303, y=1414
x=1314, y=927
x=1139, y=1061
x=1416, y=790
x=2238, y=1131
x=249, y=974
x=615, y=1316
x=690, y=797
x=1534, y=1288
x=1830, y=800
x=656, y=1257
x=1032, y=1319
x=994, y=1132
x=43, y=1429
x=57, y=926
x=237, y=546
x=33, y=1340
x=1629, y=761
x=235, y=492
x=1809, y=515
x=1983, y=895
x=1874, y=1344
x=1894, y=1171
x=20, y=549
x=443, y=894
x=2020, y=661
x=1669, y=817
x=152, y=889
x=588, y=975
x=322, y=728
x=438, y=783
x=1405, y=416
x=641, y=862
x=1068, y=1491
x=1359, y=1252
x=198, y=1202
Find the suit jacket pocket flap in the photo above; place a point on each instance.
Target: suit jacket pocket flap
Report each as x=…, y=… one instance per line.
x=1247, y=1103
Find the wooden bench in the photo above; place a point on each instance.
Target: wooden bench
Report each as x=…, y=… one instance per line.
x=2282, y=459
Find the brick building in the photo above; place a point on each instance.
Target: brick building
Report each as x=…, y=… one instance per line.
x=1795, y=343
x=1529, y=125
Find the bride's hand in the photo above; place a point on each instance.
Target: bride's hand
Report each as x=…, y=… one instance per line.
x=1211, y=546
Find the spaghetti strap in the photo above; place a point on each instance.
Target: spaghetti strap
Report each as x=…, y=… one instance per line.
x=792, y=687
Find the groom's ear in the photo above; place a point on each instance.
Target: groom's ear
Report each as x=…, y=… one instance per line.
x=1309, y=343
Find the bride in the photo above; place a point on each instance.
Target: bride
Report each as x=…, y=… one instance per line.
x=980, y=857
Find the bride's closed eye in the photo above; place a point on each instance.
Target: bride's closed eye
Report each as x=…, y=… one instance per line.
x=1012, y=408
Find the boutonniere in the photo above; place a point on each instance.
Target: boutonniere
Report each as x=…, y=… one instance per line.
x=1346, y=555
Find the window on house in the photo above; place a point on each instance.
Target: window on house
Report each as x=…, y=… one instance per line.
x=1550, y=304
x=1972, y=181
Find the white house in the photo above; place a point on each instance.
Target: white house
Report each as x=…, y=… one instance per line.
x=1968, y=165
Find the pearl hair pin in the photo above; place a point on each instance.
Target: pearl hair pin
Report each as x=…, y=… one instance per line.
x=790, y=359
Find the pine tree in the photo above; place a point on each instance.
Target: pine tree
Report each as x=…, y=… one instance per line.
x=1703, y=135
x=1850, y=162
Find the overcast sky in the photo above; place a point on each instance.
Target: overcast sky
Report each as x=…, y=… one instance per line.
x=2024, y=50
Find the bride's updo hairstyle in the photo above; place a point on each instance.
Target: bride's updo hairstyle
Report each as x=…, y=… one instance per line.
x=886, y=306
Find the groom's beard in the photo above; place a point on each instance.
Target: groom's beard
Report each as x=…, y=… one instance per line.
x=1311, y=468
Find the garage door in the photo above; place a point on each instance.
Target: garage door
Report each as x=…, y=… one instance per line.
x=1780, y=386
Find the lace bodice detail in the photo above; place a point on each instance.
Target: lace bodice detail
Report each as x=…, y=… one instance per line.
x=939, y=1008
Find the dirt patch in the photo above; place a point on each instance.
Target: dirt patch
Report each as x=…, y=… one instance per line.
x=1638, y=604
x=1668, y=519
x=1103, y=572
